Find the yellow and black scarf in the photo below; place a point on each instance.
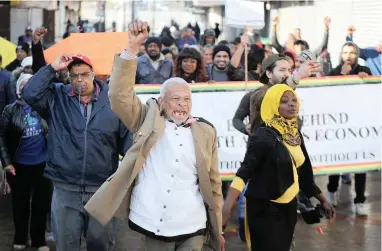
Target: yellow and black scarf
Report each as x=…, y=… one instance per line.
x=288, y=128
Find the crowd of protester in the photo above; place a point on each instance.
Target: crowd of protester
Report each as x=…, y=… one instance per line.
x=44, y=107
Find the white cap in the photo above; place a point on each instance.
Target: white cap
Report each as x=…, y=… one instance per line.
x=23, y=76
x=27, y=61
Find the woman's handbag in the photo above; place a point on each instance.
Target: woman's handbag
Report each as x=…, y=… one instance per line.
x=314, y=216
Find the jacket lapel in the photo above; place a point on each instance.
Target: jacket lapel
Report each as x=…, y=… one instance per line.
x=152, y=138
x=203, y=176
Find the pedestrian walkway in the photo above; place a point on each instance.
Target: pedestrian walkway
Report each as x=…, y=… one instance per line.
x=347, y=233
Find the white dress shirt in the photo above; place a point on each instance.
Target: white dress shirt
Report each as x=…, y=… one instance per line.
x=166, y=199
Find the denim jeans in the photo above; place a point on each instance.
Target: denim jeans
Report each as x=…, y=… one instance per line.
x=70, y=221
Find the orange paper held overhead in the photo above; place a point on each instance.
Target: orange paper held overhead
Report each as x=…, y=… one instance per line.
x=99, y=47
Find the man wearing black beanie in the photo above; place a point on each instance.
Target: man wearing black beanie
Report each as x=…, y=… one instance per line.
x=153, y=67
x=22, y=52
x=153, y=47
x=217, y=71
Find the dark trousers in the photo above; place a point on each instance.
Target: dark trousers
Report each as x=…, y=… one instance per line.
x=31, y=195
x=271, y=225
x=360, y=186
x=241, y=229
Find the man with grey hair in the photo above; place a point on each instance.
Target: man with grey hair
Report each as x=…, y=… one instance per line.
x=168, y=185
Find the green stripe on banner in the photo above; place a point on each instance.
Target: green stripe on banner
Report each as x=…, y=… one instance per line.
x=240, y=86
x=326, y=171
x=355, y=170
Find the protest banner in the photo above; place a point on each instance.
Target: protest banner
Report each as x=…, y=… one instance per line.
x=342, y=121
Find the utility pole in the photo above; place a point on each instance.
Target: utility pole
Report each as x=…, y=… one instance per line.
x=124, y=15
x=62, y=18
x=154, y=8
x=101, y=6
x=132, y=11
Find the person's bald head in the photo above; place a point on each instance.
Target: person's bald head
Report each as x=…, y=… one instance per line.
x=175, y=99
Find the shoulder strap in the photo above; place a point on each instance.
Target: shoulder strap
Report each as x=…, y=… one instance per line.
x=278, y=137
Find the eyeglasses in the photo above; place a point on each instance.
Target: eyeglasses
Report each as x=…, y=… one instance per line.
x=83, y=75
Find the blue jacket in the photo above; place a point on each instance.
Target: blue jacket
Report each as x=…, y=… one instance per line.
x=7, y=91
x=146, y=74
x=372, y=57
x=189, y=40
x=79, y=153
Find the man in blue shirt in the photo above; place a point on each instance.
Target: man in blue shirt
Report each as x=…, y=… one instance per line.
x=372, y=55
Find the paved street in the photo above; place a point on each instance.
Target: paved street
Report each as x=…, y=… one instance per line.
x=347, y=233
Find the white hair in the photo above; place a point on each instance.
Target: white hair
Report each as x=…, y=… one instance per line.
x=164, y=87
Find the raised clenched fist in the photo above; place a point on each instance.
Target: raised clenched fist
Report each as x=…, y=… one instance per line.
x=275, y=21
x=351, y=29
x=38, y=34
x=327, y=22
x=138, y=32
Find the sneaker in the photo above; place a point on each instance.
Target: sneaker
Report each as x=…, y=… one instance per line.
x=346, y=179
x=43, y=248
x=19, y=247
x=332, y=198
x=360, y=209
x=293, y=245
x=49, y=236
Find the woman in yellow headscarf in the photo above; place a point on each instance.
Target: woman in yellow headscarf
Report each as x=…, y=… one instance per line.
x=276, y=165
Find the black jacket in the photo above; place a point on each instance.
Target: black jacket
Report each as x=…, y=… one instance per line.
x=7, y=90
x=13, y=65
x=354, y=71
x=12, y=126
x=38, y=57
x=267, y=166
x=237, y=74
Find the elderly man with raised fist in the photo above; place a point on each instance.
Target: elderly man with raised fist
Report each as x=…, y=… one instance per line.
x=168, y=185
